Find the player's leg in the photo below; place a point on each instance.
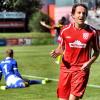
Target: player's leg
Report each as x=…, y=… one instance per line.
x=35, y=82
x=30, y=82
x=63, y=90
x=72, y=97
x=63, y=99
x=14, y=82
x=78, y=84
x=44, y=81
x=20, y=84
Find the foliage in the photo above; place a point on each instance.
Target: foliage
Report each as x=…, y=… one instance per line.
x=42, y=41
x=27, y=6
x=34, y=23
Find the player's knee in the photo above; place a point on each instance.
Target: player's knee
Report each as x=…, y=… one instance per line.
x=26, y=84
x=21, y=85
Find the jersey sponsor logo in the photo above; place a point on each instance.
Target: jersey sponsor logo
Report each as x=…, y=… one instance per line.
x=85, y=36
x=77, y=44
x=7, y=61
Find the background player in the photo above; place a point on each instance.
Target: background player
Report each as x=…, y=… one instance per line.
x=9, y=68
x=77, y=41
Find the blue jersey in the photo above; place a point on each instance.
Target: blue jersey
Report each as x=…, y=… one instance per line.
x=8, y=67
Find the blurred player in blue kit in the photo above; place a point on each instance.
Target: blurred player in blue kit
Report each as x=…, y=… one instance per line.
x=13, y=79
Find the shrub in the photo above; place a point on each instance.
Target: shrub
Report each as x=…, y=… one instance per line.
x=42, y=41
x=34, y=23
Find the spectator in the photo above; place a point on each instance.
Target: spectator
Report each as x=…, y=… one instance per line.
x=62, y=22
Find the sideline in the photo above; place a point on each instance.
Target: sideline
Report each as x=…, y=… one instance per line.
x=56, y=80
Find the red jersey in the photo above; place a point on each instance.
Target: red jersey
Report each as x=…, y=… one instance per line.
x=78, y=44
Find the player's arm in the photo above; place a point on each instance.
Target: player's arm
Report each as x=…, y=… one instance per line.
x=45, y=25
x=60, y=49
x=0, y=73
x=96, y=49
x=15, y=68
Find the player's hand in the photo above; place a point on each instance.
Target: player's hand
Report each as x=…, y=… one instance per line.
x=42, y=23
x=54, y=53
x=86, y=66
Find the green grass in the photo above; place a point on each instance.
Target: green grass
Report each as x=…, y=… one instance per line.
x=35, y=61
x=24, y=35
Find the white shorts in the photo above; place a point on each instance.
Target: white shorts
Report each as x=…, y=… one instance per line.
x=14, y=81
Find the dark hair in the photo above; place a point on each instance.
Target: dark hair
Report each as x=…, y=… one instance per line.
x=78, y=4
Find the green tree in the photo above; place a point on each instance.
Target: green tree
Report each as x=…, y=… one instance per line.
x=27, y=6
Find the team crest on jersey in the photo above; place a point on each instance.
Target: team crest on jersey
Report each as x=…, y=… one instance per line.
x=85, y=36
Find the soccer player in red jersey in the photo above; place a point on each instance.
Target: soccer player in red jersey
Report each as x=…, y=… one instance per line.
x=76, y=42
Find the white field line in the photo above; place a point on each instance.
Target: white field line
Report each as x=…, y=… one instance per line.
x=39, y=77
x=56, y=80
x=94, y=86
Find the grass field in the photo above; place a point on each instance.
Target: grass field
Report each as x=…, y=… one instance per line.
x=35, y=61
x=24, y=35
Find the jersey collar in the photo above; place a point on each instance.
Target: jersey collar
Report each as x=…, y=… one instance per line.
x=8, y=57
x=73, y=24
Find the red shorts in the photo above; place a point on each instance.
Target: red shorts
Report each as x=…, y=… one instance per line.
x=72, y=82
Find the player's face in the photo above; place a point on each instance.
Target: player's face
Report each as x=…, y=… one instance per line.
x=80, y=15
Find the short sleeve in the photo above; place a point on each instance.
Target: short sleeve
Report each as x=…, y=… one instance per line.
x=60, y=38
